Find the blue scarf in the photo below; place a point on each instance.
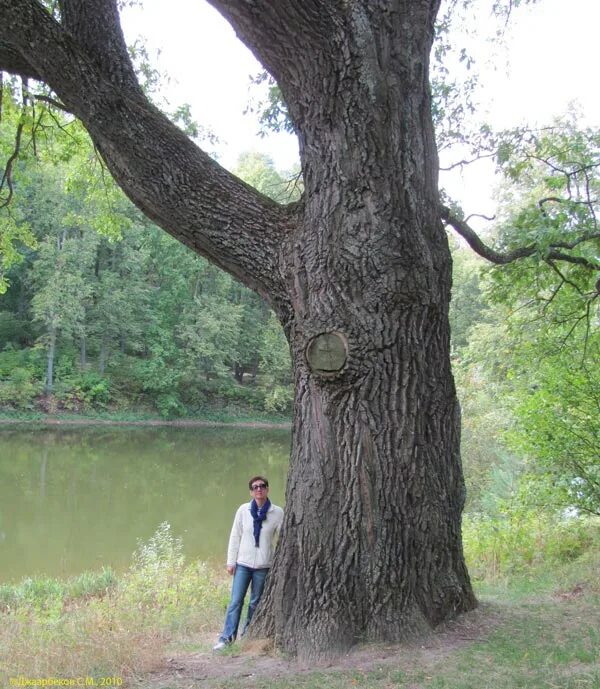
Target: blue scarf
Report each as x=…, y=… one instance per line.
x=259, y=515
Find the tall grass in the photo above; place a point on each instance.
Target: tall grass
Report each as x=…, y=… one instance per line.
x=101, y=624
x=522, y=543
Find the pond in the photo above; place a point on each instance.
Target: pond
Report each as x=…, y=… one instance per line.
x=75, y=499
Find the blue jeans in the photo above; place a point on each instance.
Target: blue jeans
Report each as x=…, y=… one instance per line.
x=242, y=578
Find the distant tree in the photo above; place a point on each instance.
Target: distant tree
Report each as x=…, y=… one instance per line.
x=65, y=254
x=468, y=303
x=557, y=422
x=258, y=170
x=59, y=302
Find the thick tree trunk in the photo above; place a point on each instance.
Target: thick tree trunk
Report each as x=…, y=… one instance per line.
x=372, y=534
x=372, y=543
x=358, y=273
x=102, y=357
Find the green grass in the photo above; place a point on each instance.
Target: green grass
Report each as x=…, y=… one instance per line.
x=537, y=645
x=547, y=645
x=210, y=416
x=530, y=633
x=42, y=593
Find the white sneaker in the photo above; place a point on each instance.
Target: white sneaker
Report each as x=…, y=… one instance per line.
x=220, y=645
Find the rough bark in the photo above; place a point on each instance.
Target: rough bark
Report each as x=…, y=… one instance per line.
x=371, y=547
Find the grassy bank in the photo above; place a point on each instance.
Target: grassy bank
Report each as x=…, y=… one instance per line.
x=539, y=630
x=536, y=627
x=207, y=418
x=547, y=643
x=103, y=625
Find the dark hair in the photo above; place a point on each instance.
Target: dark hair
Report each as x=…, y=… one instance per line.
x=257, y=478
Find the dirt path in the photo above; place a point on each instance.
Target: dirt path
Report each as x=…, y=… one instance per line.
x=252, y=663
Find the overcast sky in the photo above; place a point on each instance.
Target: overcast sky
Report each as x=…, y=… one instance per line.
x=550, y=60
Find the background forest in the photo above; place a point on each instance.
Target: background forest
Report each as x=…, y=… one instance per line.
x=105, y=312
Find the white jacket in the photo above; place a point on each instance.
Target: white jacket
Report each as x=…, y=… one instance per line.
x=241, y=548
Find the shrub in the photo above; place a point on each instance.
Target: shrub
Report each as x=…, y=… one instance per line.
x=98, y=624
x=520, y=542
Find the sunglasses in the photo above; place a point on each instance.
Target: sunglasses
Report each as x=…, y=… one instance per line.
x=256, y=486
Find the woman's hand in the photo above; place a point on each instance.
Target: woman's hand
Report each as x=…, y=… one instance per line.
x=230, y=569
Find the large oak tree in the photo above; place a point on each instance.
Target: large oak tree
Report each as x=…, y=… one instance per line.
x=358, y=273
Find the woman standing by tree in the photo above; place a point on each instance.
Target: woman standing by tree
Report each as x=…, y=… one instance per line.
x=249, y=555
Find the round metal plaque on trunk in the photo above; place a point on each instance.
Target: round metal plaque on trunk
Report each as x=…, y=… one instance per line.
x=326, y=353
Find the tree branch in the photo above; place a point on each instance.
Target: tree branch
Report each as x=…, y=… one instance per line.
x=465, y=162
x=12, y=61
x=475, y=242
x=53, y=102
x=7, y=174
x=95, y=25
x=161, y=170
x=564, y=280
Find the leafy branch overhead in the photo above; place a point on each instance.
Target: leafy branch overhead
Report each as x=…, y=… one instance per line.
x=82, y=57
x=547, y=237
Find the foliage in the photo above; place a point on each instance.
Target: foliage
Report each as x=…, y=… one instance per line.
x=525, y=364
x=120, y=315
x=518, y=541
x=557, y=411
x=550, y=200
x=468, y=304
x=272, y=110
x=541, y=359
x=527, y=393
x=19, y=383
x=15, y=124
x=42, y=594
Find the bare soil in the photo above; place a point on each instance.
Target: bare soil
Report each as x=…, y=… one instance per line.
x=253, y=661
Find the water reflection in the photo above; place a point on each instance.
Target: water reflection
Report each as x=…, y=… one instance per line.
x=77, y=499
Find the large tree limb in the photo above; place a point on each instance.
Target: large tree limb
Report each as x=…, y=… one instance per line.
x=502, y=258
x=167, y=176
x=96, y=26
x=283, y=33
x=12, y=61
